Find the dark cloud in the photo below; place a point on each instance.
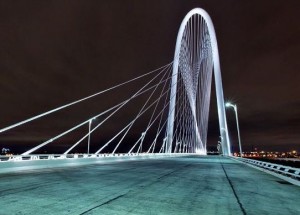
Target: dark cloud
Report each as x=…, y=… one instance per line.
x=54, y=52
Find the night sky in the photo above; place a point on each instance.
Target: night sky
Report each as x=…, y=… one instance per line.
x=55, y=52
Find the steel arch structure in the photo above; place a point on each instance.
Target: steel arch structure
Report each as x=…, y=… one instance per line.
x=195, y=22
x=178, y=113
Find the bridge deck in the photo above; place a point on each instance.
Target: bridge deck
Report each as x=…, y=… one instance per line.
x=186, y=185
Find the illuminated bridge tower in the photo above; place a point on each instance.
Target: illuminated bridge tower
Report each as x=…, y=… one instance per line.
x=196, y=56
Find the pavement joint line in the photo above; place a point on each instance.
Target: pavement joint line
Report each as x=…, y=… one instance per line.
x=104, y=203
x=122, y=195
x=169, y=173
x=236, y=196
x=117, y=197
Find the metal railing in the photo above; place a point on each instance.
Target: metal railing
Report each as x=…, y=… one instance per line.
x=277, y=168
x=27, y=163
x=12, y=158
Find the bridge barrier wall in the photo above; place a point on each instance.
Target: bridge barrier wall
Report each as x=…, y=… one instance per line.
x=287, y=173
x=15, y=163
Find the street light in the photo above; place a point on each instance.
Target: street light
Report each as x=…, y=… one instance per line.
x=228, y=104
x=89, y=138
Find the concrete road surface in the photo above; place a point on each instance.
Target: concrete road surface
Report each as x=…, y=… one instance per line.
x=185, y=185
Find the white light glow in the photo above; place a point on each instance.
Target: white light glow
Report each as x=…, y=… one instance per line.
x=200, y=151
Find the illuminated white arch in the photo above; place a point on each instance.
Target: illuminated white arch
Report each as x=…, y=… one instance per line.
x=218, y=83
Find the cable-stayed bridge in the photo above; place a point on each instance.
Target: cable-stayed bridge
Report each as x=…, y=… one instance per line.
x=166, y=137
x=174, y=104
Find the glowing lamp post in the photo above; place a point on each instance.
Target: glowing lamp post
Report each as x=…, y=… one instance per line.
x=237, y=124
x=89, y=137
